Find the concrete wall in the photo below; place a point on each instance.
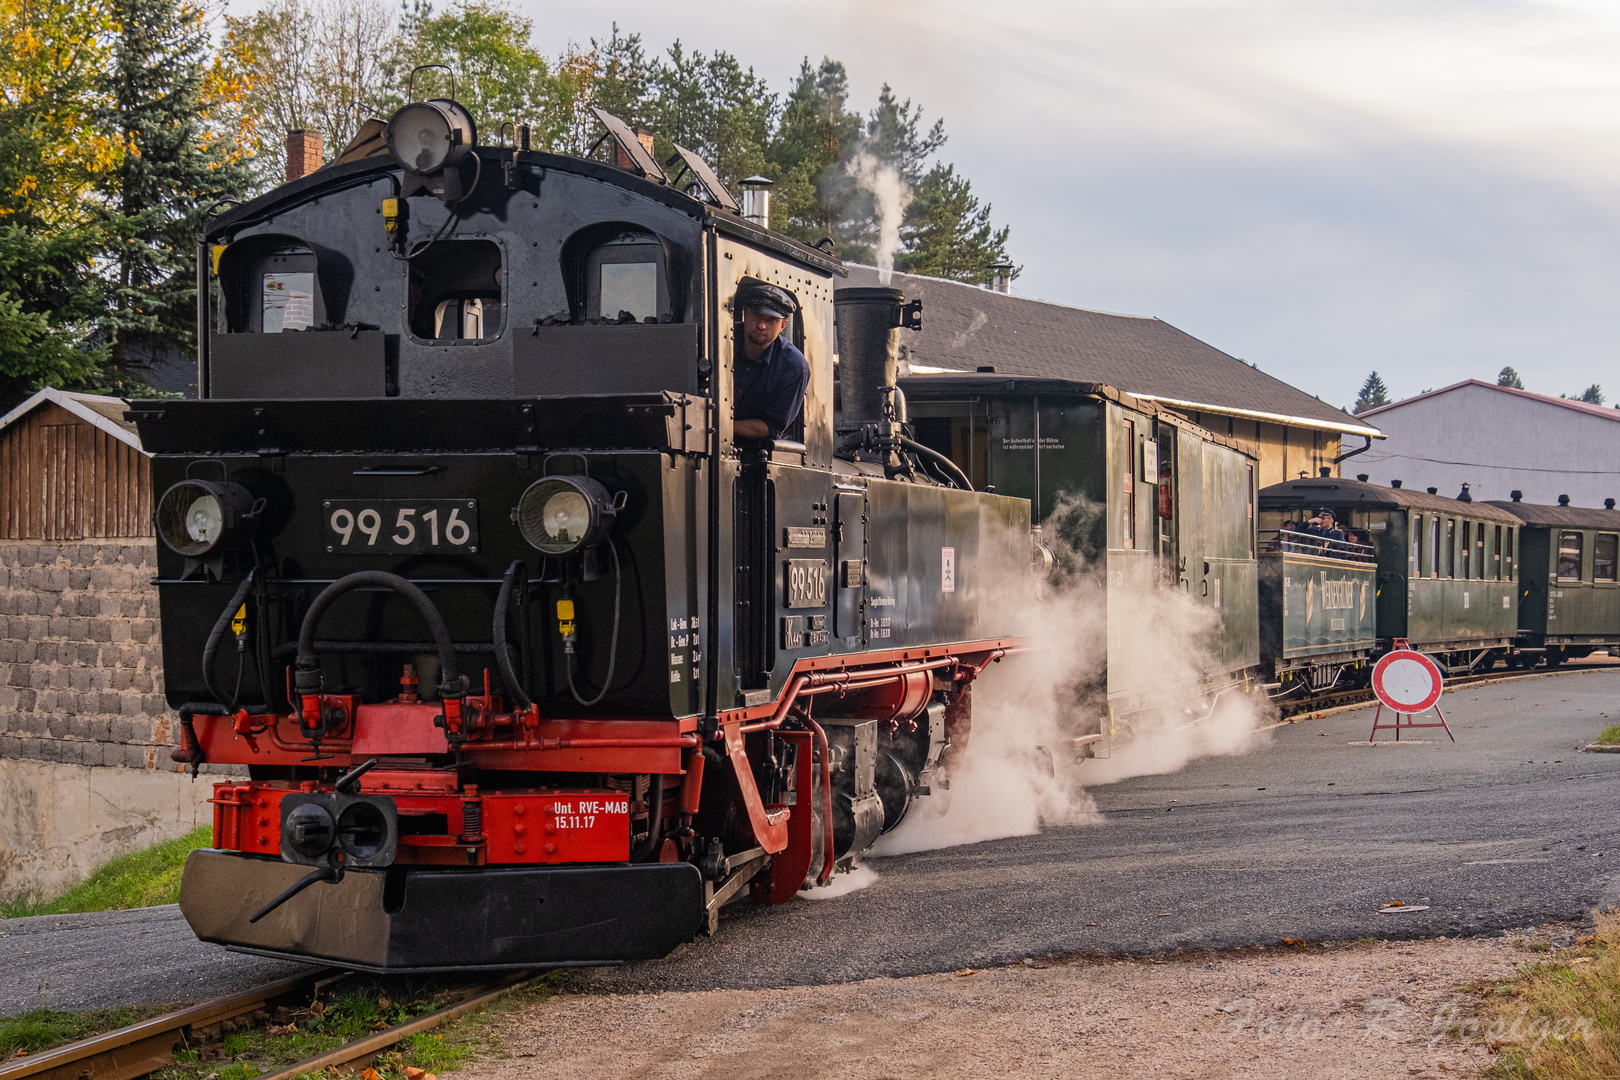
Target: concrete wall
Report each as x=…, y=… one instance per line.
x=58, y=822
x=85, y=732
x=1496, y=442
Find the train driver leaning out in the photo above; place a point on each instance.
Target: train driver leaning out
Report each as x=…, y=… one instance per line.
x=771, y=373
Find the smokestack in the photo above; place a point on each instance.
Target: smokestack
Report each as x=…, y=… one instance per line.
x=1394, y=483
x=1515, y=494
x=303, y=153
x=1362, y=477
x=1608, y=504
x=868, y=322
x=1463, y=496
x=756, y=199
x=1324, y=471
x=1001, y=277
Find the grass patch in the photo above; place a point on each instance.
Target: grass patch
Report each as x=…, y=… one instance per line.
x=44, y=1029
x=1609, y=736
x=143, y=878
x=1560, y=1019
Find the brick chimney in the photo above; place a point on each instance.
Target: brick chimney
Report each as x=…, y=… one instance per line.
x=303, y=153
x=622, y=159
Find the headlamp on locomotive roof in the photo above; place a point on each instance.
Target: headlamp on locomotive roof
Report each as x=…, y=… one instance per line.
x=431, y=136
x=559, y=515
x=196, y=517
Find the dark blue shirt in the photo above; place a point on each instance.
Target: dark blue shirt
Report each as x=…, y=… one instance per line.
x=771, y=388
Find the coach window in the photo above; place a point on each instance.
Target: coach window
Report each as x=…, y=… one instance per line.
x=1569, y=556
x=1496, y=554
x=1604, y=551
x=1467, y=549
x=1434, y=545
x=456, y=291
x=1507, y=559
x=1451, y=547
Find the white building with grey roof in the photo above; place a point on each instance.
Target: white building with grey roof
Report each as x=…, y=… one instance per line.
x=1497, y=440
x=970, y=328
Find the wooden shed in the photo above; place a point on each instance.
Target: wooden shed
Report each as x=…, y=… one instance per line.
x=72, y=468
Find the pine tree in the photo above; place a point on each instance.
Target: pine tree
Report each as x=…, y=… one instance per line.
x=177, y=164
x=1510, y=378
x=1592, y=395
x=948, y=234
x=805, y=157
x=1373, y=394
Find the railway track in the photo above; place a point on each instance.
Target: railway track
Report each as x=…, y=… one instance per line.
x=1364, y=695
x=141, y=1049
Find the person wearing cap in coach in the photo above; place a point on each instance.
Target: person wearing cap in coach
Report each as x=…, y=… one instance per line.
x=771, y=373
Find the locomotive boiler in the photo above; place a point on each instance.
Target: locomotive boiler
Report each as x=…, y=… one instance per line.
x=522, y=655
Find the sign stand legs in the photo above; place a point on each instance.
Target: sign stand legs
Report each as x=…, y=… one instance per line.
x=1409, y=723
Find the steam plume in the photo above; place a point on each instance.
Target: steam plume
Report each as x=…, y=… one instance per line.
x=893, y=195
x=1023, y=767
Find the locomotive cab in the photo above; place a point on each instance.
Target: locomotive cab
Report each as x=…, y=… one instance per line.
x=508, y=651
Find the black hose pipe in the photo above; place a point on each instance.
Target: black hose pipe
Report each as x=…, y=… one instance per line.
x=503, y=658
x=934, y=455
x=190, y=751
x=655, y=820
x=307, y=679
x=212, y=648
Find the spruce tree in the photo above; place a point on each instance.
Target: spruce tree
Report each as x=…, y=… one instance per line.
x=1510, y=378
x=948, y=234
x=1592, y=395
x=1373, y=394
x=177, y=165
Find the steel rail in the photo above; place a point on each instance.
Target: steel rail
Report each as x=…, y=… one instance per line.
x=128, y=1052
x=372, y=1045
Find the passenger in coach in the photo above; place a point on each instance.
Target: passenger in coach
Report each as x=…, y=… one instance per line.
x=771, y=373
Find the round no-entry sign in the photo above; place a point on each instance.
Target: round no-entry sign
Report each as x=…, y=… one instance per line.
x=1407, y=681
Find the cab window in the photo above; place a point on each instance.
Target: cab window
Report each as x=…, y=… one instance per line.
x=618, y=274
x=456, y=292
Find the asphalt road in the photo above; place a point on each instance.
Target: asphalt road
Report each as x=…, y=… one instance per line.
x=1304, y=838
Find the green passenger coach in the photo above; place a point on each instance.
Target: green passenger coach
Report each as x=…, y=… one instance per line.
x=1570, y=598
x=1447, y=569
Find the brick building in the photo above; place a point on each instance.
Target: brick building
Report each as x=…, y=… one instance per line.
x=85, y=732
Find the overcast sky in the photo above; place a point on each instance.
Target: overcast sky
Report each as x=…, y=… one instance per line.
x=1430, y=188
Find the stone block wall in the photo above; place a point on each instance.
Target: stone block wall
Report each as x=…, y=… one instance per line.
x=81, y=677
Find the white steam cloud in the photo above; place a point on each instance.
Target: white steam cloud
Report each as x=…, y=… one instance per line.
x=893, y=195
x=1030, y=753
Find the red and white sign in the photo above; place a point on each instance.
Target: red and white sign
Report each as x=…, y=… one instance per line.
x=1407, y=681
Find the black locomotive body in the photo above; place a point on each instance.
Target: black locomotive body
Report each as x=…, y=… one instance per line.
x=529, y=658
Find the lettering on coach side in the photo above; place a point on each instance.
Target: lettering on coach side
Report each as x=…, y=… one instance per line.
x=1338, y=595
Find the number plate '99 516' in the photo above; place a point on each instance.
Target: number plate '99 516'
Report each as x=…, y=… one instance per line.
x=392, y=526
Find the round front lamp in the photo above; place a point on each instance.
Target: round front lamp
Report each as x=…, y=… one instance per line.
x=564, y=514
x=430, y=136
x=195, y=516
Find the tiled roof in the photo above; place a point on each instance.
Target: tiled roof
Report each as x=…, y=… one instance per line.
x=1601, y=411
x=966, y=327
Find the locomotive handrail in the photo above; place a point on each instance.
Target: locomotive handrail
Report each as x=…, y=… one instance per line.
x=1297, y=542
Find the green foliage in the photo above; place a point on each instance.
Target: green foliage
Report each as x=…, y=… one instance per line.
x=948, y=234
x=141, y=879
x=1609, y=736
x=45, y=1028
x=1510, y=378
x=498, y=75
x=1373, y=394
x=1592, y=395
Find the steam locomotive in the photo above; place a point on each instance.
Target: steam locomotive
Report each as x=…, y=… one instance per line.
x=530, y=660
